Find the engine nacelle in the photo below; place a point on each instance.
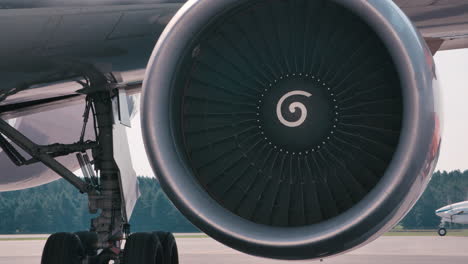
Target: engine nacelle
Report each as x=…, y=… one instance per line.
x=291, y=129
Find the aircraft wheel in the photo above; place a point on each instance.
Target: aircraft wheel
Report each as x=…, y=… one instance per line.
x=442, y=231
x=89, y=240
x=169, y=246
x=143, y=248
x=63, y=248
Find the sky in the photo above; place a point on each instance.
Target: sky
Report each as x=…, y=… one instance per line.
x=452, y=67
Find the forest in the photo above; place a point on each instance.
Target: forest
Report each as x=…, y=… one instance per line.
x=58, y=207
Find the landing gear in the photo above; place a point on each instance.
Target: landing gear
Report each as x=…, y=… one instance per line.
x=143, y=248
x=442, y=231
x=63, y=248
x=109, y=181
x=169, y=246
x=89, y=241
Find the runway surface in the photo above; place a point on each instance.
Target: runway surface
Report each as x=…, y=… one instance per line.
x=385, y=250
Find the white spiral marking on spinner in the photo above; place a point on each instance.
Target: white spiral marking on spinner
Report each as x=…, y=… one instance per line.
x=292, y=109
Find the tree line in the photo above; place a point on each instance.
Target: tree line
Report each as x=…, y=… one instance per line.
x=445, y=188
x=59, y=207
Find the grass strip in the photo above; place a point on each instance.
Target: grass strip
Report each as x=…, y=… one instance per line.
x=450, y=232
x=45, y=238
x=22, y=238
x=429, y=233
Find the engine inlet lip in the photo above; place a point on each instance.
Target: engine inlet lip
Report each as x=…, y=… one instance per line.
x=169, y=162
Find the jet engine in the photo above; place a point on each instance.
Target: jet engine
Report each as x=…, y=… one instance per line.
x=291, y=129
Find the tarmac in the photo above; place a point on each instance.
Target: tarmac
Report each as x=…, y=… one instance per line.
x=385, y=250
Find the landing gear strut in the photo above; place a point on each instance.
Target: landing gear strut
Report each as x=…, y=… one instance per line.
x=442, y=231
x=103, y=185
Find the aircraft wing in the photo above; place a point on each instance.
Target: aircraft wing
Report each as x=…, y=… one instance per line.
x=443, y=23
x=123, y=41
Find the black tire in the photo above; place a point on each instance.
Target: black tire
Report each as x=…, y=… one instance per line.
x=169, y=245
x=442, y=231
x=63, y=248
x=89, y=240
x=143, y=248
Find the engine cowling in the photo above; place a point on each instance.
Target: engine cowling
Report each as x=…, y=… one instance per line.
x=291, y=129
